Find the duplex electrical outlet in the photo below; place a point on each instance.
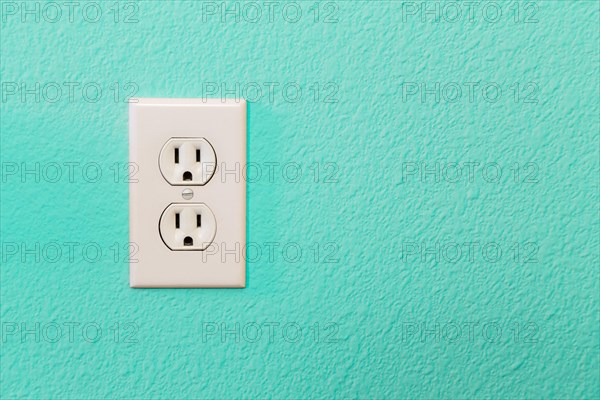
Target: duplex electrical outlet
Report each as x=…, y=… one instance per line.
x=187, y=212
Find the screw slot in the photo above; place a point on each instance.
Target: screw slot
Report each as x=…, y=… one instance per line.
x=187, y=193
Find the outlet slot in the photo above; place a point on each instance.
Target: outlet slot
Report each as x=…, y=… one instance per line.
x=176, y=155
x=188, y=241
x=198, y=221
x=177, y=221
x=197, y=155
x=187, y=176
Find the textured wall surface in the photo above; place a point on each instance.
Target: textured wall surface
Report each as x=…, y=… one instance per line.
x=398, y=264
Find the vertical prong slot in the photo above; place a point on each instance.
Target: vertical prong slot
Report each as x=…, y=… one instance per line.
x=176, y=155
x=197, y=155
x=177, y=221
x=198, y=220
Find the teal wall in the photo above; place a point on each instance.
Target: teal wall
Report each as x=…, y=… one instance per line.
x=399, y=290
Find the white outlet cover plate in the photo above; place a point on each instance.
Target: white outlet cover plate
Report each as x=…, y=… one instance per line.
x=152, y=123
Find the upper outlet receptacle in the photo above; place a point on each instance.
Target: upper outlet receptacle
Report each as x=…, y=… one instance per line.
x=187, y=161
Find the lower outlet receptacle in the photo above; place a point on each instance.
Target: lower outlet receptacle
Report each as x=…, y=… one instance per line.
x=187, y=226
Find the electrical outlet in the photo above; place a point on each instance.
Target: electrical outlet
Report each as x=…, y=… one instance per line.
x=186, y=226
x=187, y=161
x=187, y=209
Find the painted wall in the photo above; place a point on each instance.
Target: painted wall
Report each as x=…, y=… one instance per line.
x=403, y=241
